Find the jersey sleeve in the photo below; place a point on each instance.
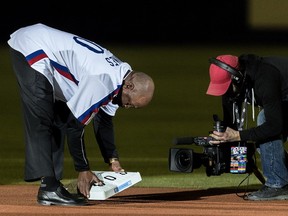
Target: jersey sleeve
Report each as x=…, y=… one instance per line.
x=92, y=93
x=110, y=109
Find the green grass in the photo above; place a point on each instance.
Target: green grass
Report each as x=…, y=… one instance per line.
x=179, y=108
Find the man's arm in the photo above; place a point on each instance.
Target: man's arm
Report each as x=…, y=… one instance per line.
x=66, y=123
x=76, y=144
x=75, y=139
x=104, y=133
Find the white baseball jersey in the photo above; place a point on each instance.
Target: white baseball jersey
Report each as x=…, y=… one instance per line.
x=82, y=73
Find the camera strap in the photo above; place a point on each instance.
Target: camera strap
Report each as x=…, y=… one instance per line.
x=238, y=160
x=238, y=152
x=240, y=120
x=247, y=100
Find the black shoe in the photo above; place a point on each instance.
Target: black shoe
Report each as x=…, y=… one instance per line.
x=60, y=197
x=268, y=193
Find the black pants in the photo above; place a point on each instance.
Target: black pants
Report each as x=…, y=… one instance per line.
x=43, y=138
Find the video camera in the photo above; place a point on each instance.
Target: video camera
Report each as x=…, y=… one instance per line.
x=234, y=157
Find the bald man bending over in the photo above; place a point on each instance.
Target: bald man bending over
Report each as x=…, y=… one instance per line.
x=65, y=81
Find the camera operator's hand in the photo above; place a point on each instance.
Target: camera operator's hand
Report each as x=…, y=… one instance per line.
x=229, y=135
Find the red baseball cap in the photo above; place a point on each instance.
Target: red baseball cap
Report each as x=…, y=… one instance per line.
x=220, y=79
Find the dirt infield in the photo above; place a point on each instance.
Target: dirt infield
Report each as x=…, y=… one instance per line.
x=21, y=200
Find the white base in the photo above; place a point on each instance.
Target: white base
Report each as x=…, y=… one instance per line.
x=115, y=182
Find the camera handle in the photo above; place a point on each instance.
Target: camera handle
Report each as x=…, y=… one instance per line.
x=200, y=141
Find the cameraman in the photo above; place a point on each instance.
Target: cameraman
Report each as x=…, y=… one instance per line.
x=259, y=81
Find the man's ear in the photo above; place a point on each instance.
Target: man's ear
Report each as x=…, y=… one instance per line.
x=128, y=85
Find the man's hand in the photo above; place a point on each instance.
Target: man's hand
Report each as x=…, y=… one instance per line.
x=85, y=181
x=229, y=135
x=115, y=165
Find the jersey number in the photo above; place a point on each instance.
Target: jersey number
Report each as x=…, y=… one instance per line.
x=113, y=61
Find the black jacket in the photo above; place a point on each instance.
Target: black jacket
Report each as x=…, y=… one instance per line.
x=268, y=76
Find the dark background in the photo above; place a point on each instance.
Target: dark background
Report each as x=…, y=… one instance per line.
x=140, y=21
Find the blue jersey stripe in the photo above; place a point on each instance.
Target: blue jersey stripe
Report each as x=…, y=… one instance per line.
x=95, y=107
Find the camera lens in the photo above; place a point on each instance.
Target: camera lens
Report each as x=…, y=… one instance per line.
x=184, y=160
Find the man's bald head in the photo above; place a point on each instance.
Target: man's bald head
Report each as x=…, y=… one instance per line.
x=138, y=90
